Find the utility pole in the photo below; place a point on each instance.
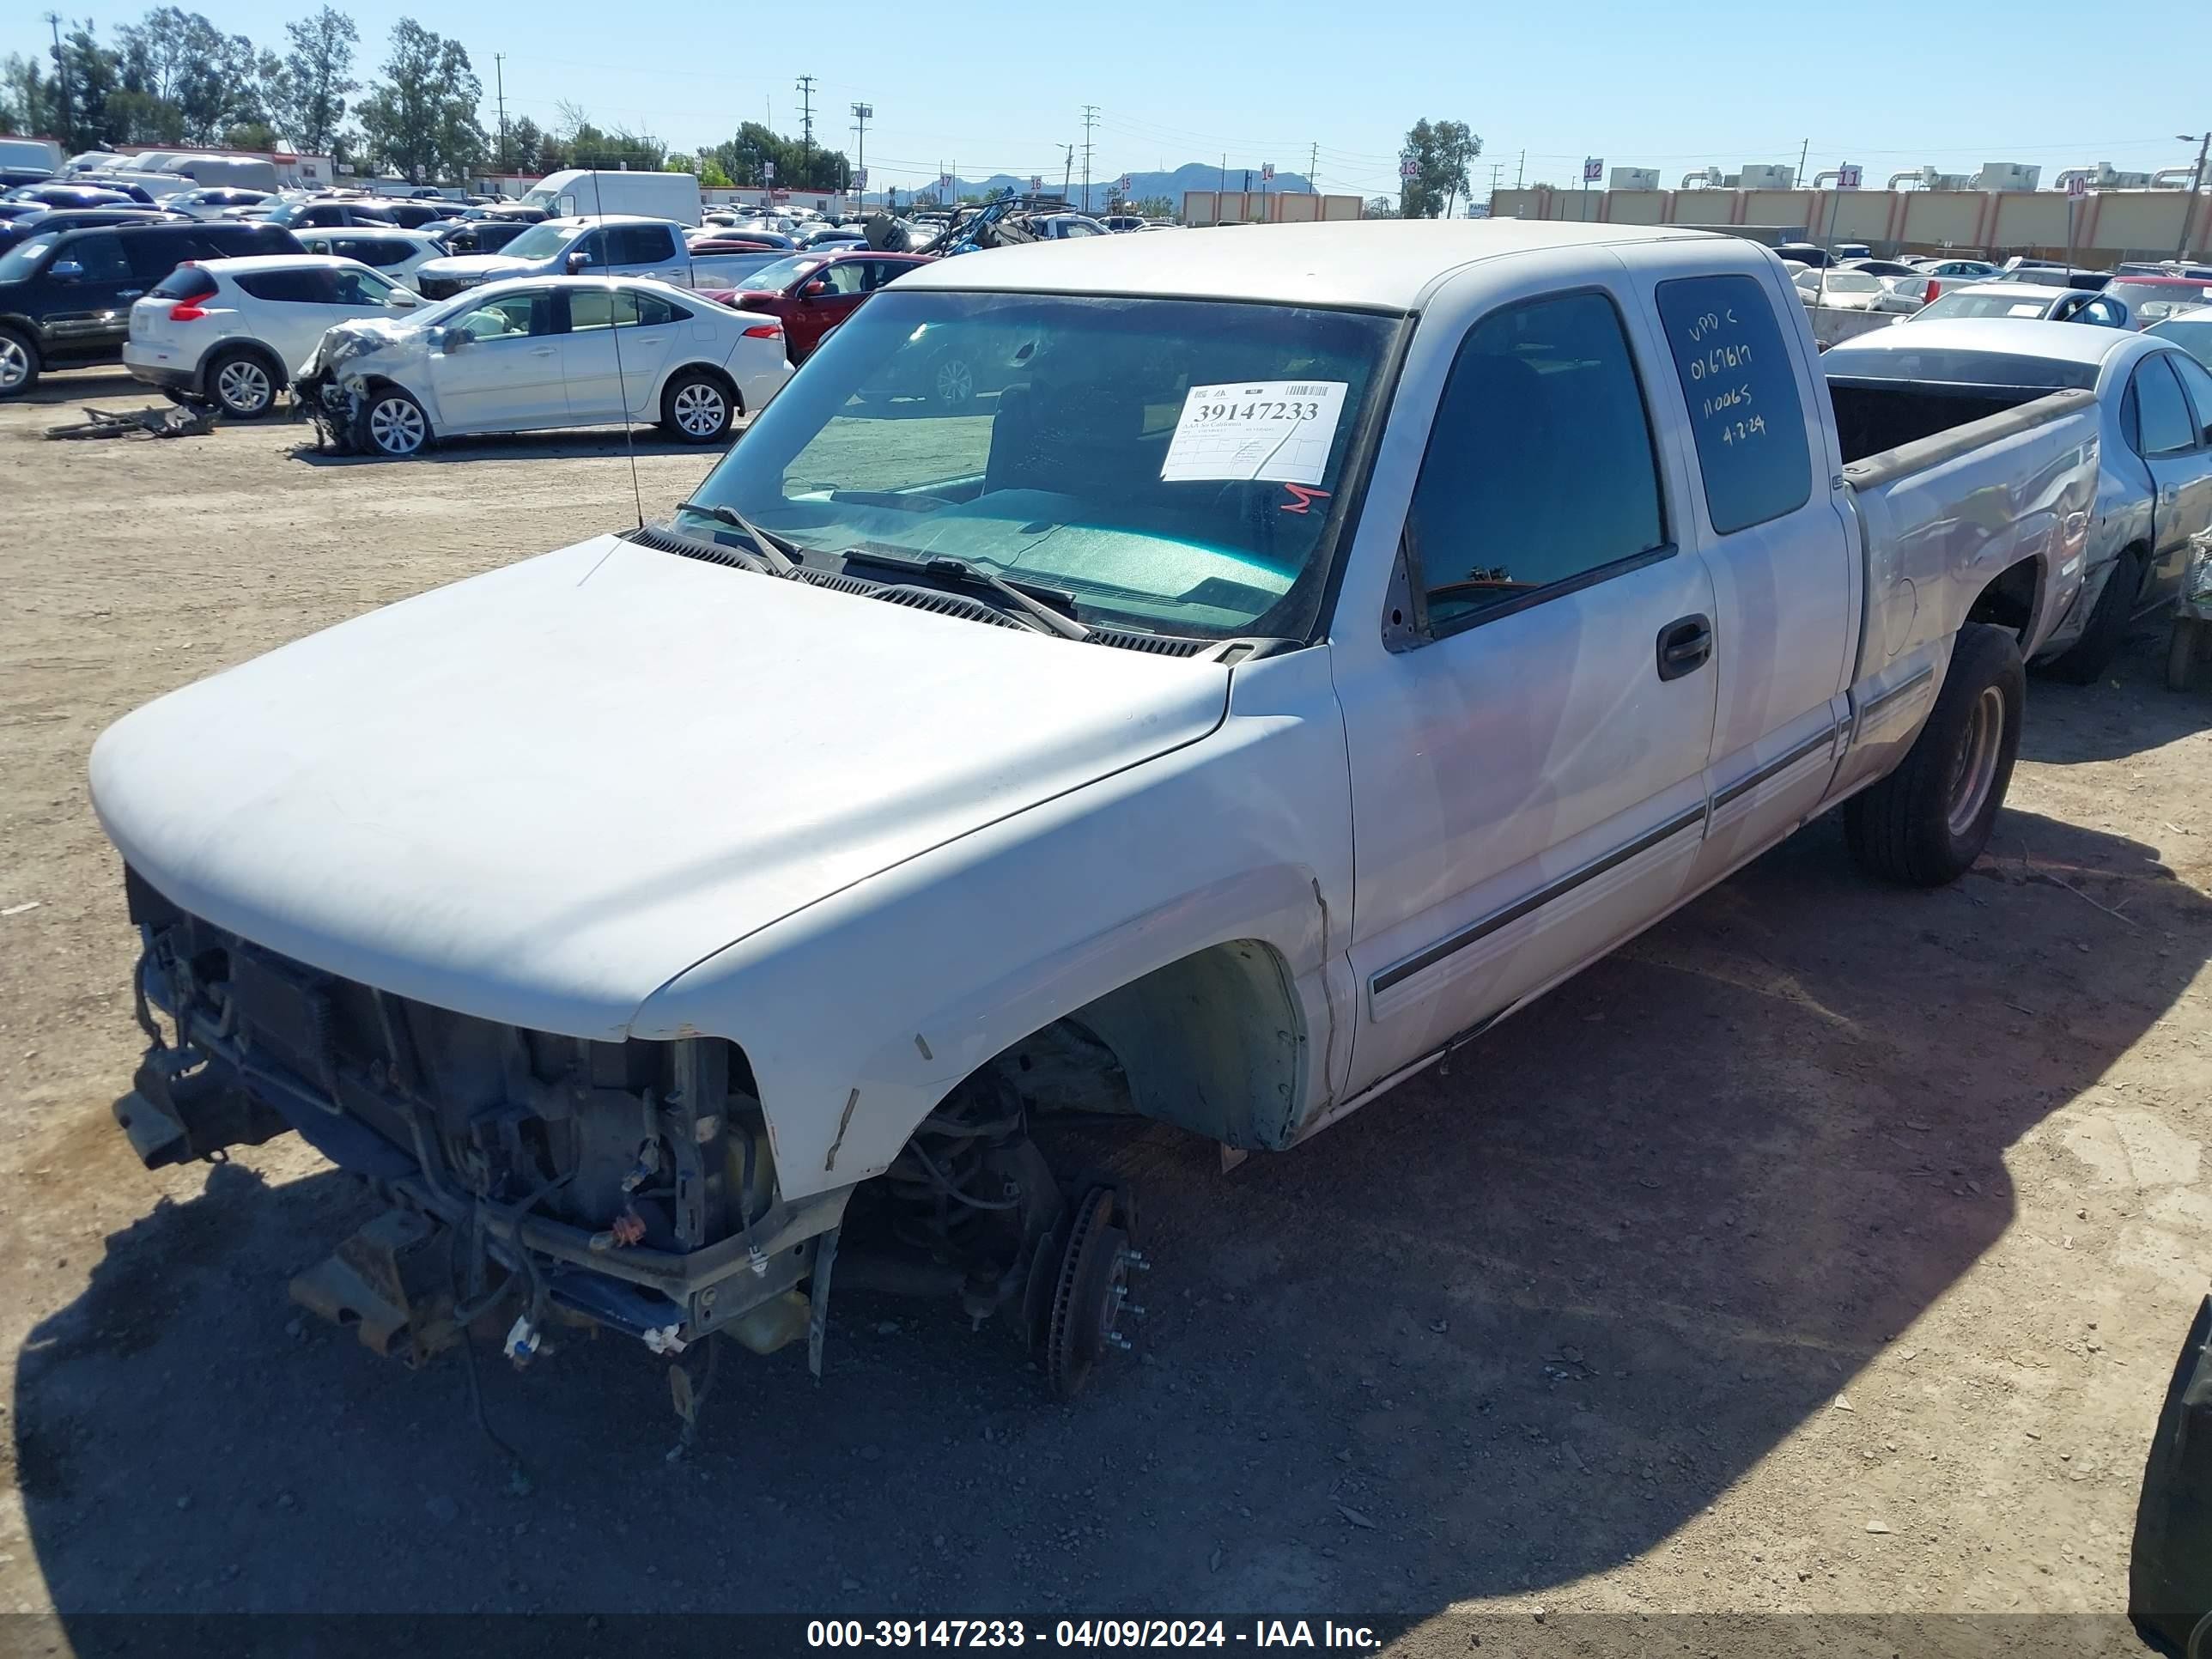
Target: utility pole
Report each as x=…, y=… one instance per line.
x=1313, y=161
x=806, y=123
x=1803, y=150
x=61, y=75
x=1089, y=118
x=862, y=114
x=1520, y=167
x=499, y=77
x=2195, y=183
x=1067, y=169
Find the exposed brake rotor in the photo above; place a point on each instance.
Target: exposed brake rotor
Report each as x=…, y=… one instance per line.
x=1089, y=1292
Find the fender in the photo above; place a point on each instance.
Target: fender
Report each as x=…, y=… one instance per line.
x=861, y=1012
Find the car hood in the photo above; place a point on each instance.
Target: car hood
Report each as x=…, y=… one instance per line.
x=537, y=795
x=474, y=267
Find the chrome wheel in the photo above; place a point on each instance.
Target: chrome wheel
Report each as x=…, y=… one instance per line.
x=1975, y=769
x=244, y=387
x=700, y=409
x=15, y=364
x=395, y=426
x=956, y=382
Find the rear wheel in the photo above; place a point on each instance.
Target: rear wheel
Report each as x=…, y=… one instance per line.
x=241, y=382
x=952, y=381
x=393, y=423
x=19, y=363
x=696, y=409
x=1927, y=822
x=2080, y=663
x=2182, y=651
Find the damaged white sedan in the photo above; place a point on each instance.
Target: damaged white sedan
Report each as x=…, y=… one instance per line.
x=1275, y=675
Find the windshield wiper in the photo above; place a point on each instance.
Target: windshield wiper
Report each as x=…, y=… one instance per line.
x=1029, y=598
x=775, y=552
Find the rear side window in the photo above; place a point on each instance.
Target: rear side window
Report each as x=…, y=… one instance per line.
x=1740, y=389
x=1540, y=469
x=2199, y=384
x=312, y=285
x=2162, y=423
x=184, y=283
x=640, y=244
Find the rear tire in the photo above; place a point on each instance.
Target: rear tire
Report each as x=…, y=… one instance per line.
x=19, y=363
x=2182, y=650
x=241, y=383
x=2080, y=663
x=393, y=425
x=1927, y=822
x=695, y=408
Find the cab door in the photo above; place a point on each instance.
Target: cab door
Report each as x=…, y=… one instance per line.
x=1529, y=736
x=88, y=287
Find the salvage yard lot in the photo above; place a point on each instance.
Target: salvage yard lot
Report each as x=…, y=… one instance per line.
x=1826, y=1249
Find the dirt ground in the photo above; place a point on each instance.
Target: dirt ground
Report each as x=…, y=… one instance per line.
x=1827, y=1250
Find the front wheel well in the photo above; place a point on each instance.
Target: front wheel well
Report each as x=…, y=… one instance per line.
x=1212, y=1042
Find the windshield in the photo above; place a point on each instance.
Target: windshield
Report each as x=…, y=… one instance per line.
x=540, y=241
x=1954, y=368
x=2151, y=302
x=1849, y=282
x=782, y=273
x=17, y=264
x=2193, y=336
x=1173, y=464
x=1967, y=303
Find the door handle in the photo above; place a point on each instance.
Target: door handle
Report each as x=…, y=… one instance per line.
x=541, y=351
x=1684, y=646
x=129, y=293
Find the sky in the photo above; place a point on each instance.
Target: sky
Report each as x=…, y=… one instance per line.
x=996, y=86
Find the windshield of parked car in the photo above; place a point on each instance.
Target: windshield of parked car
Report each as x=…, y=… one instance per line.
x=2193, y=334
x=782, y=273
x=1956, y=367
x=1848, y=282
x=540, y=241
x=19, y=262
x=1964, y=302
x=2151, y=302
x=1178, y=466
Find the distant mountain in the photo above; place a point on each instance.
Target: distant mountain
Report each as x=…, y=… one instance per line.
x=1192, y=175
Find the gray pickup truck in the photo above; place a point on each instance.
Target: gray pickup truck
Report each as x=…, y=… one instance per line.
x=1301, y=665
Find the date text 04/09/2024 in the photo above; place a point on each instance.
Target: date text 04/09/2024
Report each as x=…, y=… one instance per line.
x=926, y=1634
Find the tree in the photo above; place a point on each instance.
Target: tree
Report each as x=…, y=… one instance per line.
x=1379, y=207
x=420, y=119
x=744, y=158
x=179, y=58
x=90, y=74
x=711, y=175
x=1154, y=207
x=29, y=102
x=1440, y=152
x=317, y=75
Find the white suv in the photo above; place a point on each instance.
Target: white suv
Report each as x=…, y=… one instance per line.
x=395, y=253
x=234, y=330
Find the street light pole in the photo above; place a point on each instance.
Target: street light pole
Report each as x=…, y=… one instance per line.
x=2195, y=183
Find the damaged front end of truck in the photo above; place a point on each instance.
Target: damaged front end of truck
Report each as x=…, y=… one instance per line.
x=535, y=1180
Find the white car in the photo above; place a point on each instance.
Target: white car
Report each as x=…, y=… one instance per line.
x=231, y=329
x=2027, y=301
x=540, y=352
x=217, y=201
x=397, y=253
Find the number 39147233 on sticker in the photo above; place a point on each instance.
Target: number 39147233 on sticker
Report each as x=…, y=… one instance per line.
x=1279, y=430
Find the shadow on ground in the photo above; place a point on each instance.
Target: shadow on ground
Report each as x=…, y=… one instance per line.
x=1512, y=1325
x=2068, y=725
x=584, y=444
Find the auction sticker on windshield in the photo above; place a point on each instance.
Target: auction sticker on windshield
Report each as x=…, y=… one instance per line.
x=1280, y=430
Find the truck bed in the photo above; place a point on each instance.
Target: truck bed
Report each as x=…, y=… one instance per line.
x=1874, y=417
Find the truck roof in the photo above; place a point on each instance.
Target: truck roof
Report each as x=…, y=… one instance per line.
x=2022, y=336
x=1381, y=264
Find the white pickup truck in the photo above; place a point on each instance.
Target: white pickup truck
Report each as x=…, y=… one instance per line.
x=1296, y=666
x=609, y=245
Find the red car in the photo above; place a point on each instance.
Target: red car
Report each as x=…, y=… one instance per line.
x=813, y=293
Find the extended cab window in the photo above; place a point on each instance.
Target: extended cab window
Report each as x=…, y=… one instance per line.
x=1740, y=387
x=640, y=244
x=1540, y=467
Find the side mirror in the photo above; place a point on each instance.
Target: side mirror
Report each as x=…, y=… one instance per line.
x=450, y=340
x=577, y=261
x=813, y=290
x=66, y=271
x=403, y=298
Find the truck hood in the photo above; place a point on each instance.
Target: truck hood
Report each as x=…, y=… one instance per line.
x=473, y=268
x=537, y=795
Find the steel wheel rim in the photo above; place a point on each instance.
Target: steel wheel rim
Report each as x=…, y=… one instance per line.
x=244, y=387
x=956, y=383
x=1976, y=769
x=397, y=427
x=699, y=410
x=15, y=364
